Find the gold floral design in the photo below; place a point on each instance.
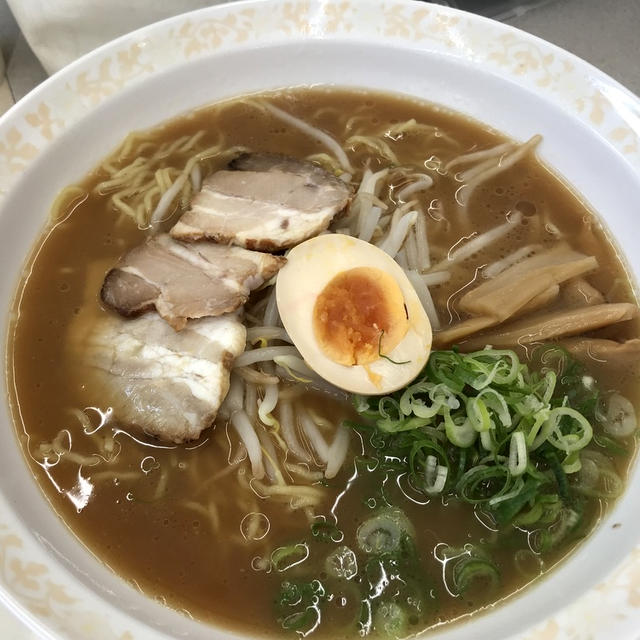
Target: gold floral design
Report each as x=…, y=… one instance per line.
x=526, y=58
x=400, y=23
x=295, y=18
x=548, y=632
x=42, y=120
x=630, y=138
x=424, y=23
x=112, y=74
x=208, y=35
x=595, y=105
x=16, y=152
x=30, y=583
x=337, y=17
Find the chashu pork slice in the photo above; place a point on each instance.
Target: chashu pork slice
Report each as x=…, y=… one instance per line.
x=184, y=281
x=264, y=201
x=168, y=384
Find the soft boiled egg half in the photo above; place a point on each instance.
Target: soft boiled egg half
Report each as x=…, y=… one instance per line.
x=352, y=313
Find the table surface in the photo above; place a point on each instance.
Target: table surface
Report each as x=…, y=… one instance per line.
x=603, y=32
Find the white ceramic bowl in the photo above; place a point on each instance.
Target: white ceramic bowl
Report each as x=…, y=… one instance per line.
x=508, y=79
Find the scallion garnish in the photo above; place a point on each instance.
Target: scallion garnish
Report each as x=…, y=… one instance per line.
x=485, y=428
x=381, y=355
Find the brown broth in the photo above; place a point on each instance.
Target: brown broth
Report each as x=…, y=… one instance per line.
x=153, y=525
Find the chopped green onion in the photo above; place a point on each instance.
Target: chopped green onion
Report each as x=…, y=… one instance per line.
x=435, y=476
x=544, y=511
x=482, y=483
x=572, y=463
x=486, y=429
x=488, y=442
x=469, y=571
x=518, y=456
x=478, y=414
x=508, y=510
x=390, y=620
x=465, y=566
x=284, y=558
x=459, y=430
x=609, y=444
x=542, y=540
x=299, y=603
x=620, y=419
x=326, y=532
x=494, y=366
x=597, y=477
x=528, y=563
x=569, y=441
x=342, y=563
x=383, y=532
x=514, y=491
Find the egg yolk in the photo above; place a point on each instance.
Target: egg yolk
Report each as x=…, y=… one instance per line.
x=359, y=316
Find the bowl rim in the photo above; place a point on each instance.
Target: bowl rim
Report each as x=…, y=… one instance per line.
x=616, y=127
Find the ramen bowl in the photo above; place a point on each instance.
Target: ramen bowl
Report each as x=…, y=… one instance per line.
x=514, y=82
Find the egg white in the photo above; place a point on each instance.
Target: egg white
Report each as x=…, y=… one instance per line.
x=310, y=267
